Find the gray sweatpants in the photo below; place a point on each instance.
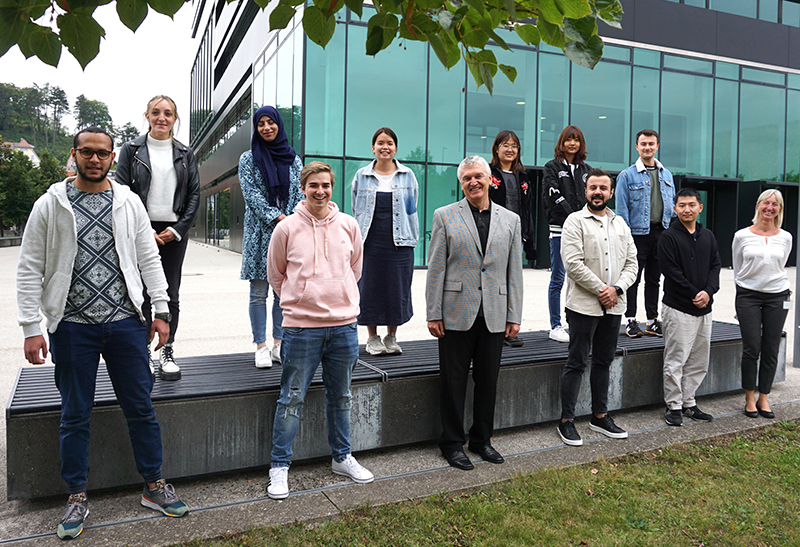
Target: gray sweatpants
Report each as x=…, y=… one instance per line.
x=687, y=342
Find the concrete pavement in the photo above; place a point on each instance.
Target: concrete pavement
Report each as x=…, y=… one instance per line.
x=214, y=320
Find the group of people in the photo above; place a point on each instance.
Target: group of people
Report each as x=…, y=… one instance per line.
x=99, y=257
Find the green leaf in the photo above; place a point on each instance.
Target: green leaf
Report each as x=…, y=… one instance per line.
x=487, y=78
x=281, y=16
x=319, y=27
x=81, y=34
x=551, y=34
x=132, y=12
x=477, y=5
x=381, y=30
x=609, y=11
x=529, y=33
x=356, y=6
x=585, y=55
x=548, y=10
x=445, y=19
x=45, y=44
x=488, y=29
x=580, y=30
x=488, y=58
x=35, y=8
x=473, y=37
x=167, y=7
x=445, y=50
x=574, y=9
x=475, y=70
x=23, y=43
x=511, y=8
x=509, y=71
x=12, y=23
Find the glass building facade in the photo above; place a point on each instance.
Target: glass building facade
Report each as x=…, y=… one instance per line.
x=718, y=118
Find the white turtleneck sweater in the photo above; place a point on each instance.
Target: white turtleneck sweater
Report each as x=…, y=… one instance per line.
x=164, y=181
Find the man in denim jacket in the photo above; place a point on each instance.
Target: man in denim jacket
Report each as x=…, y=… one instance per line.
x=647, y=208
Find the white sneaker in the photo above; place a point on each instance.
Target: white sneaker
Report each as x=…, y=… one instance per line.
x=278, y=488
x=375, y=346
x=169, y=370
x=349, y=467
x=390, y=342
x=559, y=334
x=276, y=354
x=263, y=358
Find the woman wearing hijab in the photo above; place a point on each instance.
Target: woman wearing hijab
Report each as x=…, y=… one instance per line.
x=269, y=175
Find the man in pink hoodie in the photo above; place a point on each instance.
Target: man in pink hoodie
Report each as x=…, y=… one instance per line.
x=313, y=264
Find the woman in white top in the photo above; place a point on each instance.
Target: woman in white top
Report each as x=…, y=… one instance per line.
x=760, y=253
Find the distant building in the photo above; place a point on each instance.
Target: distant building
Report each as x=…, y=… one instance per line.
x=26, y=148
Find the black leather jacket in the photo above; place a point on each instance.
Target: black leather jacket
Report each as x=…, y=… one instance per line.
x=562, y=193
x=497, y=193
x=133, y=169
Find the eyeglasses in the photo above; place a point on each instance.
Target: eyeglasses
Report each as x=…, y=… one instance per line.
x=512, y=147
x=87, y=153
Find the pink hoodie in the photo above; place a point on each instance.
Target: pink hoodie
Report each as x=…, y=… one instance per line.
x=314, y=267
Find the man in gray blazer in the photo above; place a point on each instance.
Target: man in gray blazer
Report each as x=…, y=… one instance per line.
x=474, y=300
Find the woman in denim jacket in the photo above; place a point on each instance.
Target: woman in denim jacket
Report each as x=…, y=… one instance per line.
x=385, y=206
x=269, y=175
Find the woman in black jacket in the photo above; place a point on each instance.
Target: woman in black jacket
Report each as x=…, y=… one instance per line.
x=163, y=172
x=510, y=188
x=563, y=191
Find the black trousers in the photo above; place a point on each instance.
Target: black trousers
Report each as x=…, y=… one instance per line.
x=761, y=318
x=457, y=349
x=647, y=256
x=172, y=255
x=588, y=334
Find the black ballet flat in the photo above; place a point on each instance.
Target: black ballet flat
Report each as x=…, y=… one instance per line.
x=751, y=413
x=766, y=413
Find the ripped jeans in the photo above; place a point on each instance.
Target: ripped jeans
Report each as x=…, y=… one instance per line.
x=302, y=350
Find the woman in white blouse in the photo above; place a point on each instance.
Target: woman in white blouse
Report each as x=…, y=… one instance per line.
x=760, y=253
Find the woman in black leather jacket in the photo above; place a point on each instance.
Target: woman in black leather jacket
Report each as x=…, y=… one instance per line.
x=163, y=173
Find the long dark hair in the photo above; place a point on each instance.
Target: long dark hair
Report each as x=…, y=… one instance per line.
x=571, y=131
x=502, y=137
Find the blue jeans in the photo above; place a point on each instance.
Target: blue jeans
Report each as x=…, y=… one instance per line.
x=76, y=349
x=556, y=282
x=302, y=351
x=258, y=312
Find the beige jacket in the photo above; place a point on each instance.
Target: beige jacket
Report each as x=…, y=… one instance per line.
x=584, y=251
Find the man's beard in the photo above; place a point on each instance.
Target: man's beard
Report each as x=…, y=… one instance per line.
x=84, y=176
x=594, y=207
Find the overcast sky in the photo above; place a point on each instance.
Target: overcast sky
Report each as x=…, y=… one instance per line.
x=129, y=70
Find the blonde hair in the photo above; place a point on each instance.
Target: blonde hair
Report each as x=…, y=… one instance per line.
x=778, y=197
x=312, y=168
x=159, y=98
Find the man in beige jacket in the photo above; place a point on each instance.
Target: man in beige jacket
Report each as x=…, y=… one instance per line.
x=600, y=260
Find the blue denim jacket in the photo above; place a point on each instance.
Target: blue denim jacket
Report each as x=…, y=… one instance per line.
x=632, y=197
x=405, y=191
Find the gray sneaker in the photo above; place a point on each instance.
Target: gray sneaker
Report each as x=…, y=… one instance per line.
x=392, y=347
x=163, y=498
x=71, y=524
x=375, y=346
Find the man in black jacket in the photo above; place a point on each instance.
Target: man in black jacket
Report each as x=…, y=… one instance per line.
x=689, y=259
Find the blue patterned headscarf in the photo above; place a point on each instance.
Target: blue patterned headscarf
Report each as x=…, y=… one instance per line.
x=273, y=158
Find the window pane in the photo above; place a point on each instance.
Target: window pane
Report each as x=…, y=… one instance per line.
x=553, y=106
x=601, y=101
x=691, y=65
x=761, y=138
x=511, y=106
x=736, y=7
x=793, y=137
x=258, y=91
x=646, y=97
x=617, y=53
x=768, y=10
x=297, y=91
x=270, y=86
x=647, y=57
x=765, y=76
x=696, y=3
x=325, y=97
x=441, y=189
x=794, y=81
x=419, y=173
x=446, y=112
x=285, y=76
x=726, y=120
x=727, y=70
x=791, y=13
x=686, y=122
x=388, y=90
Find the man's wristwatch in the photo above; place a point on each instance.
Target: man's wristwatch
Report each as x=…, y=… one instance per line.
x=166, y=317
x=619, y=291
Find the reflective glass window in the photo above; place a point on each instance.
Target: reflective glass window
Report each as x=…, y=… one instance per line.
x=446, y=111
x=726, y=130
x=616, y=53
x=727, y=70
x=696, y=3
x=553, y=105
x=766, y=76
x=548, y=48
x=647, y=57
x=793, y=137
x=761, y=132
x=687, y=106
x=690, y=65
x=746, y=8
x=324, y=131
x=601, y=101
x=285, y=83
x=419, y=173
x=258, y=91
x=388, y=90
x=768, y=10
x=297, y=92
x=790, y=13
x=511, y=106
x=794, y=81
x=645, y=105
x=441, y=189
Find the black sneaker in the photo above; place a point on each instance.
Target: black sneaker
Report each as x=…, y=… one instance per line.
x=607, y=427
x=654, y=328
x=568, y=433
x=633, y=330
x=696, y=414
x=673, y=417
